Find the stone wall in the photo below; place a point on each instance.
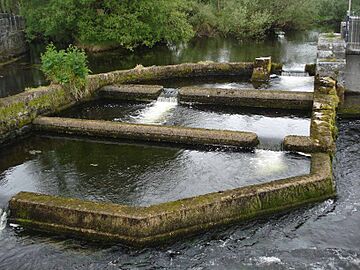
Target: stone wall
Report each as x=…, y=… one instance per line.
x=12, y=38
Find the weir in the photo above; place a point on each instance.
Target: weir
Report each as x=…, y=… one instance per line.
x=164, y=221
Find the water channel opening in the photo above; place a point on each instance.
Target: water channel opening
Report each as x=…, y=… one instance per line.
x=135, y=174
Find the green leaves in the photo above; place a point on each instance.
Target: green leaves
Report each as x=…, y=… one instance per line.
x=108, y=22
x=67, y=68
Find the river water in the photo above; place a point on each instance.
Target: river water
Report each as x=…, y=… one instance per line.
x=319, y=236
x=294, y=51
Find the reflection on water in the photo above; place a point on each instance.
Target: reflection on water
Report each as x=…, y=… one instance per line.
x=293, y=50
x=135, y=174
x=262, y=122
x=320, y=236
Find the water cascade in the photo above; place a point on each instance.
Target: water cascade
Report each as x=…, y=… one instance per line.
x=295, y=71
x=158, y=111
x=3, y=219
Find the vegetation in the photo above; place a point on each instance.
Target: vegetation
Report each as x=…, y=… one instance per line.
x=109, y=23
x=67, y=68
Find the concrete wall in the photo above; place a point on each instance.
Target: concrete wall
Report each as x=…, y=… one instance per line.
x=12, y=38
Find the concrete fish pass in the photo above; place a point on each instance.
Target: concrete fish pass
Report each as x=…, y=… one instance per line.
x=42, y=110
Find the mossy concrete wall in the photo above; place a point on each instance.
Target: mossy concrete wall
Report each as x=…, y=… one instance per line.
x=17, y=112
x=149, y=225
x=328, y=93
x=154, y=133
x=350, y=108
x=142, y=74
x=248, y=98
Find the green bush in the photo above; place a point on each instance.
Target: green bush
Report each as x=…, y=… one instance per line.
x=67, y=68
x=107, y=23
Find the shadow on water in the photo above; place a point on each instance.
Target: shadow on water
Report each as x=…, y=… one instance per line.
x=321, y=236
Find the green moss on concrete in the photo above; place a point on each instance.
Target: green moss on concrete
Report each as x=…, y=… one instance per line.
x=20, y=110
x=143, y=225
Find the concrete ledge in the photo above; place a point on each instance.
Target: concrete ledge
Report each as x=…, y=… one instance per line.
x=323, y=129
x=141, y=74
x=181, y=135
x=248, y=98
x=150, y=225
x=302, y=144
x=131, y=92
x=351, y=107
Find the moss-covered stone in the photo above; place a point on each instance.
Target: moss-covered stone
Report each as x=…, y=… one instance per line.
x=154, y=133
x=20, y=110
x=311, y=69
x=262, y=69
x=275, y=99
x=149, y=225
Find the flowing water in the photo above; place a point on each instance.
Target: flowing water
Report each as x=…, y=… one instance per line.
x=320, y=236
x=293, y=50
x=135, y=174
x=166, y=111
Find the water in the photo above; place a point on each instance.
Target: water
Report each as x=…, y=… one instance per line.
x=321, y=236
x=158, y=111
x=165, y=111
x=277, y=82
x=292, y=50
x=3, y=219
x=135, y=174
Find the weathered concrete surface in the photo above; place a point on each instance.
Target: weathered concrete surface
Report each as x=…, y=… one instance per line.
x=141, y=74
x=181, y=135
x=248, y=98
x=331, y=59
x=150, y=225
x=350, y=108
x=262, y=69
x=12, y=37
x=352, y=78
x=131, y=92
x=301, y=144
x=16, y=112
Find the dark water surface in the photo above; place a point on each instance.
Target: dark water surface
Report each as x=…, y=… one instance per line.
x=166, y=111
x=323, y=236
x=294, y=51
x=135, y=174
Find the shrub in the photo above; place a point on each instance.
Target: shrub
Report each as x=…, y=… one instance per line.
x=67, y=68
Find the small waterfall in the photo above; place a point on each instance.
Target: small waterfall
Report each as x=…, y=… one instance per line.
x=295, y=71
x=3, y=219
x=157, y=112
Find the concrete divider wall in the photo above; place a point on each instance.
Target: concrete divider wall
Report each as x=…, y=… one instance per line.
x=149, y=225
x=288, y=100
x=154, y=133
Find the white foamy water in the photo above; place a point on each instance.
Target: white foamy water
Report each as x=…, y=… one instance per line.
x=3, y=219
x=158, y=111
